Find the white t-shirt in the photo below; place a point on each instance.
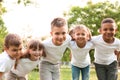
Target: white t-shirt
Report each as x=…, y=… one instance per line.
x=104, y=52
x=6, y=63
x=24, y=66
x=80, y=56
x=54, y=53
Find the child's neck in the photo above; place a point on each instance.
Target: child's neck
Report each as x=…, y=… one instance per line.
x=109, y=40
x=32, y=59
x=81, y=45
x=12, y=58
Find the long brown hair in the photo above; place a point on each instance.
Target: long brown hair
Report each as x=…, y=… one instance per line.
x=32, y=44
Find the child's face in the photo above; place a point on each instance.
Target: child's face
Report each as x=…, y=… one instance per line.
x=81, y=35
x=58, y=35
x=14, y=52
x=108, y=31
x=35, y=54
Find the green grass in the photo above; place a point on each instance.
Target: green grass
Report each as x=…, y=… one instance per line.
x=34, y=75
x=65, y=74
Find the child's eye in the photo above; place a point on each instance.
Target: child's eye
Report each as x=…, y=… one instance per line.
x=105, y=29
x=14, y=50
x=57, y=33
x=33, y=49
x=40, y=49
x=64, y=33
x=83, y=34
x=111, y=29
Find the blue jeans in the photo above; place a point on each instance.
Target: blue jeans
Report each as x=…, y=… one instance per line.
x=84, y=71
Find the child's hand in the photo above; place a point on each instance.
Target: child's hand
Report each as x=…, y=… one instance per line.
x=1, y=74
x=116, y=52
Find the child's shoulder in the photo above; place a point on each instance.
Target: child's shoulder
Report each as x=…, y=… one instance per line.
x=4, y=55
x=117, y=40
x=4, y=58
x=47, y=40
x=96, y=37
x=89, y=43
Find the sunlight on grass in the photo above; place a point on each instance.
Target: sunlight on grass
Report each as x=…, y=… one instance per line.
x=65, y=74
x=34, y=75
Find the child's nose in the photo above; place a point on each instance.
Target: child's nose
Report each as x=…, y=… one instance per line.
x=80, y=35
x=18, y=51
x=61, y=36
x=38, y=52
x=108, y=30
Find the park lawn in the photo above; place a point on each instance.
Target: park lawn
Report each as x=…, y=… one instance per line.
x=65, y=74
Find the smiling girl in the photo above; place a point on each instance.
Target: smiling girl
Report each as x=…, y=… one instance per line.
x=28, y=61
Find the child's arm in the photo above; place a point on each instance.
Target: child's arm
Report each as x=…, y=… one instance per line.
x=70, y=56
x=17, y=59
x=117, y=53
x=43, y=53
x=1, y=74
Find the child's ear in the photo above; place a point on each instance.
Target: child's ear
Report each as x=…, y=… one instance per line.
x=5, y=48
x=99, y=30
x=116, y=30
x=51, y=33
x=89, y=37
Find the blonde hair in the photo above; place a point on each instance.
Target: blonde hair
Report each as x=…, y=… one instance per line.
x=84, y=27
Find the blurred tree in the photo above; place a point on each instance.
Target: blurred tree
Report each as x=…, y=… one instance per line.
x=24, y=1
x=66, y=56
x=91, y=15
x=3, y=29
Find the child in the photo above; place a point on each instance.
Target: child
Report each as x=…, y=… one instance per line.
x=80, y=48
x=54, y=49
x=28, y=61
x=71, y=33
x=105, y=46
x=12, y=49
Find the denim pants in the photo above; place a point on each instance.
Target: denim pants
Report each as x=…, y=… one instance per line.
x=84, y=72
x=106, y=72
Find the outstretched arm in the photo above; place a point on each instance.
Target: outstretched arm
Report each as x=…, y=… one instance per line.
x=117, y=53
x=1, y=74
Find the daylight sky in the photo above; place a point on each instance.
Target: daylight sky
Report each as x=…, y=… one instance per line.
x=35, y=19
